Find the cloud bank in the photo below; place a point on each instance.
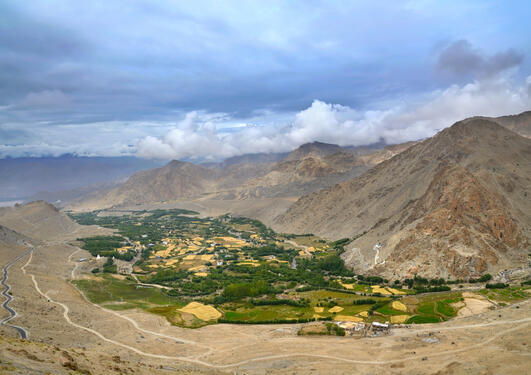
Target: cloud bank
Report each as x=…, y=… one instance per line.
x=333, y=123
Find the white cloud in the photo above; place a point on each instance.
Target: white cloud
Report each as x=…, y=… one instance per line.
x=195, y=137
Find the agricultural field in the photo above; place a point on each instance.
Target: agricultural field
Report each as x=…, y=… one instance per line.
x=196, y=271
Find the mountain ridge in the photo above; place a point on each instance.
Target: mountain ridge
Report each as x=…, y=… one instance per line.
x=486, y=157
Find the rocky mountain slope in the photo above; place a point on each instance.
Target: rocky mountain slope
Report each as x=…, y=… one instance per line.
x=37, y=220
x=453, y=205
x=520, y=123
x=10, y=237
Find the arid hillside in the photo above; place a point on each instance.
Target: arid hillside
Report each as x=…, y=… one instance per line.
x=309, y=168
x=455, y=204
x=520, y=123
x=10, y=237
x=37, y=220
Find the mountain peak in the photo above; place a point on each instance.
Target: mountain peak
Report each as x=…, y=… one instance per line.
x=315, y=149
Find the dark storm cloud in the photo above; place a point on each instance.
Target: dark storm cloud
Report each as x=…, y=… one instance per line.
x=462, y=59
x=109, y=73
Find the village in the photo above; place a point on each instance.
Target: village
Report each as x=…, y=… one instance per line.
x=198, y=271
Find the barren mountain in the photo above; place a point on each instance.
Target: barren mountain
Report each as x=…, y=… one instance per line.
x=309, y=168
x=175, y=180
x=520, y=124
x=455, y=204
x=312, y=167
x=10, y=237
x=314, y=149
x=38, y=220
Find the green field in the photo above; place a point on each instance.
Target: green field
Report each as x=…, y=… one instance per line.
x=248, y=272
x=511, y=294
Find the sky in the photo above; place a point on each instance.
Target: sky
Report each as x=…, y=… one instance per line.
x=206, y=80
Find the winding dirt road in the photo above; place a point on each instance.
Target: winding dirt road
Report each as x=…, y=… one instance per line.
x=12, y=313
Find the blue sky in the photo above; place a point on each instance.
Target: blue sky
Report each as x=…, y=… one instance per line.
x=211, y=79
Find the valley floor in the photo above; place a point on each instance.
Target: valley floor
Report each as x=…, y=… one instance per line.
x=67, y=332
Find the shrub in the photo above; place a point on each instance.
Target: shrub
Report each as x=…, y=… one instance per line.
x=364, y=302
x=496, y=286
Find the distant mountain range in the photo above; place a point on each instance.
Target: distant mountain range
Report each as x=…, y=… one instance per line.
x=306, y=169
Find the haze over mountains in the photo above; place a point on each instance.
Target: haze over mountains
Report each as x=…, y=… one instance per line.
x=308, y=168
x=25, y=177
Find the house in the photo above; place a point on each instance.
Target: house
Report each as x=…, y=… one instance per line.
x=352, y=328
x=378, y=329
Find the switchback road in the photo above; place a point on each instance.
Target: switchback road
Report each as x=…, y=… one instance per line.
x=12, y=313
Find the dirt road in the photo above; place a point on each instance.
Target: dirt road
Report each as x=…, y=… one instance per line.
x=6, y=293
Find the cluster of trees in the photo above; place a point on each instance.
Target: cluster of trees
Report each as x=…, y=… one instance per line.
x=421, y=281
x=109, y=266
x=496, y=286
x=334, y=265
x=368, y=280
x=274, y=321
x=168, y=274
x=240, y=290
x=278, y=251
x=442, y=288
x=275, y=302
x=156, y=214
x=332, y=328
x=367, y=301
x=483, y=279
x=102, y=245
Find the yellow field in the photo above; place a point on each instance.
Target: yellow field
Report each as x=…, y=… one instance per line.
x=252, y=264
x=348, y=286
x=364, y=314
x=204, y=257
x=201, y=274
x=200, y=311
x=395, y=291
x=335, y=309
x=397, y=319
x=397, y=305
x=348, y=318
x=318, y=309
x=231, y=241
x=166, y=253
x=171, y=262
x=124, y=249
x=197, y=268
x=379, y=289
